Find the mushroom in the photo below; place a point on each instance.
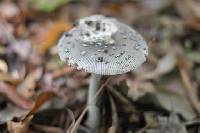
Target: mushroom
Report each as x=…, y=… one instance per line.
x=102, y=46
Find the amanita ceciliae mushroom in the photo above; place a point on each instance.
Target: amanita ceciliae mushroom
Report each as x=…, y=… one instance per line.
x=102, y=46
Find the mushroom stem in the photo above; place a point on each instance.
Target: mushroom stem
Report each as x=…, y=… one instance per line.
x=93, y=111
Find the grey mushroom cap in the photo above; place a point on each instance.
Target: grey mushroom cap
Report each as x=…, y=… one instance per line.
x=102, y=45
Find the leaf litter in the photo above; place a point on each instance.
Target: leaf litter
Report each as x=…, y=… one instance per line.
x=34, y=83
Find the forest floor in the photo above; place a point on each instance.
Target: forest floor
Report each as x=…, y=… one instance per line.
x=41, y=94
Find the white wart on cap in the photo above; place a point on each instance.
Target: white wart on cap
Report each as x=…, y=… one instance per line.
x=102, y=45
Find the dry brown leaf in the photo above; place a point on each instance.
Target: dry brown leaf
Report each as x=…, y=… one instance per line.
x=3, y=66
x=21, y=47
x=177, y=103
x=188, y=8
x=190, y=11
x=27, y=87
x=10, y=112
x=41, y=99
x=138, y=88
x=62, y=72
x=165, y=65
x=52, y=35
x=174, y=85
x=19, y=127
x=168, y=125
x=8, y=10
x=11, y=93
x=6, y=32
x=193, y=23
x=8, y=78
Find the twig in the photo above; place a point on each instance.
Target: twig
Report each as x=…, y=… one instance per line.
x=190, y=90
x=72, y=117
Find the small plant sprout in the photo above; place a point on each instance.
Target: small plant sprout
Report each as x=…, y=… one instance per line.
x=101, y=46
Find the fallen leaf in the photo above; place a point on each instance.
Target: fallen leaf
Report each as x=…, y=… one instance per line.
x=62, y=72
x=8, y=78
x=8, y=10
x=27, y=87
x=41, y=99
x=19, y=127
x=54, y=64
x=188, y=8
x=175, y=103
x=22, y=48
x=50, y=38
x=6, y=30
x=166, y=64
x=151, y=119
x=10, y=112
x=138, y=89
x=168, y=125
x=11, y=93
x=193, y=23
x=154, y=5
x=173, y=84
x=3, y=66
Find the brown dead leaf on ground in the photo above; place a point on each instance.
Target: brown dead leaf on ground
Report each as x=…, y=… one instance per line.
x=27, y=87
x=165, y=65
x=21, y=48
x=8, y=10
x=11, y=93
x=168, y=125
x=50, y=37
x=10, y=112
x=193, y=23
x=139, y=86
x=63, y=72
x=138, y=89
x=190, y=11
x=8, y=78
x=3, y=66
x=19, y=127
x=188, y=8
x=41, y=99
x=29, y=64
x=6, y=30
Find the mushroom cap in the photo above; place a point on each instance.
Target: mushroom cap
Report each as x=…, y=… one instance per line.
x=102, y=45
